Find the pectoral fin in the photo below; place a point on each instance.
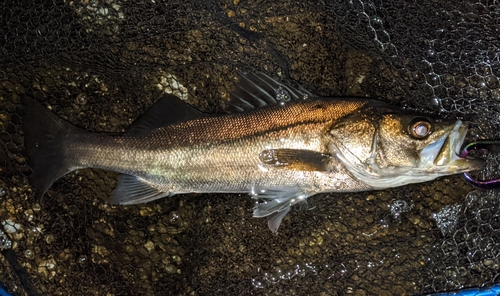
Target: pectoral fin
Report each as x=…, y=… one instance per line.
x=296, y=159
x=132, y=190
x=276, y=203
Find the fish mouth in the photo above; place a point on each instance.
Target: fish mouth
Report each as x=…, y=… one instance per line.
x=443, y=155
x=440, y=158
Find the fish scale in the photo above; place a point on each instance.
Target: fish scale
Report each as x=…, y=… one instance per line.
x=196, y=147
x=280, y=152
x=177, y=166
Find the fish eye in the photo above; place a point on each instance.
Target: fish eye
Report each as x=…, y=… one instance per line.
x=420, y=128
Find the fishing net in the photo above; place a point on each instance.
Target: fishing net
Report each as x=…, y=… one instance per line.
x=100, y=64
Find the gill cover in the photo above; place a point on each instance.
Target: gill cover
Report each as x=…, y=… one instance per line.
x=386, y=149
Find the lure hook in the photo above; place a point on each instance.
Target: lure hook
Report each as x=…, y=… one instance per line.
x=490, y=146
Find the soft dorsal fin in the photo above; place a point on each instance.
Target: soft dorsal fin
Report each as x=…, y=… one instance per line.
x=256, y=89
x=168, y=110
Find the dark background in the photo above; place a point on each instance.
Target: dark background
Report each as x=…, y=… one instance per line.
x=102, y=63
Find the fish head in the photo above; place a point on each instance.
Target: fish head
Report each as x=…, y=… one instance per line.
x=391, y=147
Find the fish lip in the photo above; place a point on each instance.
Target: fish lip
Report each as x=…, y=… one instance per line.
x=448, y=155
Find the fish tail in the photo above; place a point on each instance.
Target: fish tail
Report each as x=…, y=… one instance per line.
x=45, y=139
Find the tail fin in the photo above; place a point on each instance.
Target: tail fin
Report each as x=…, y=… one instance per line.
x=45, y=136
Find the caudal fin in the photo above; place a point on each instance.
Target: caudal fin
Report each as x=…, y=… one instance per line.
x=45, y=136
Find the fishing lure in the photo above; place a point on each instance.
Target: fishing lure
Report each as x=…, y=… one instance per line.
x=492, y=146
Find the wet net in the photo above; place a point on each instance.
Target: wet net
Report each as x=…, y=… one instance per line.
x=101, y=63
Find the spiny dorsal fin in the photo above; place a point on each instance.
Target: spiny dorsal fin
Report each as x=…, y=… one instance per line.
x=296, y=159
x=256, y=89
x=168, y=110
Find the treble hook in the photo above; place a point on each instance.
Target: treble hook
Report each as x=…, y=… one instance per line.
x=491, y=146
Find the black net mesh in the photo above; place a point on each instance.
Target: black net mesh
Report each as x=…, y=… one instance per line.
x=101, y=63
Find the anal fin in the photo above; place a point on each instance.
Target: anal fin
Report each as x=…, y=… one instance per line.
x=133, y=190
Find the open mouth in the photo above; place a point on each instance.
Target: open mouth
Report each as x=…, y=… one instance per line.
x=451, y=146
x=437, y=159
x=444, y=153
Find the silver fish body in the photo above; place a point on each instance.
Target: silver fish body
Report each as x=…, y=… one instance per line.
x=280, y=153
x=224, y=153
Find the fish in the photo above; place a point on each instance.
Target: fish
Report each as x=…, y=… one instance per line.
x=278, y=142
